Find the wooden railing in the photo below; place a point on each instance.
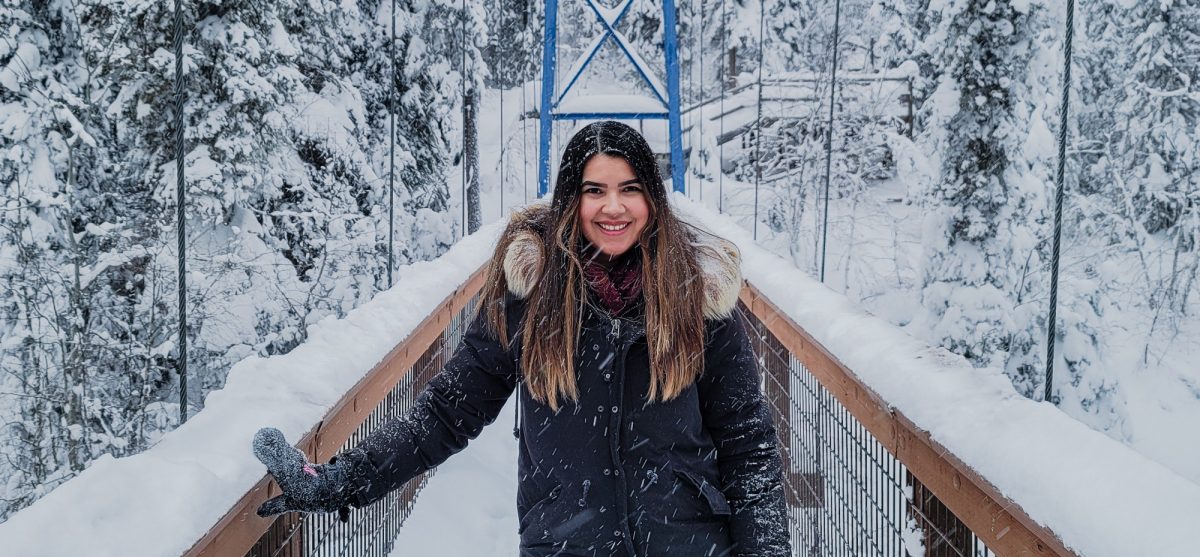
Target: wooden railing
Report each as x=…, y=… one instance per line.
x=861, y=479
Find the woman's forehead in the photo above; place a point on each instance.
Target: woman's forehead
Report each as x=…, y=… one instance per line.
x=606, y=169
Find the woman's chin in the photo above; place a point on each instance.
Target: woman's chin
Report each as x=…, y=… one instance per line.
x=615, y=251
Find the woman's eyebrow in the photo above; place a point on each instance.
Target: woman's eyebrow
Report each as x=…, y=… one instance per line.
x=625, y=183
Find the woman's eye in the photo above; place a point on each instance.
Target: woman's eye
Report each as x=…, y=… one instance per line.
x=631, y=189
x=591, y=190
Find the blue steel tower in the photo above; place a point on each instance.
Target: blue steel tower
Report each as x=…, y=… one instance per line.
x=666, y=100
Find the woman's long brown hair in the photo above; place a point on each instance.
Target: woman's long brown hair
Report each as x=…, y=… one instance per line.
x=672, y=285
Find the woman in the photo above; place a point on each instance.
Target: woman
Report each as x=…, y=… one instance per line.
x=642, y=428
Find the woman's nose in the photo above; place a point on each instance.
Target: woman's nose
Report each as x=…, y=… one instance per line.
x=613, y=205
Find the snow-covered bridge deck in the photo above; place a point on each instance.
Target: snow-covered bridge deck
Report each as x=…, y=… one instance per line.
x=873, y=423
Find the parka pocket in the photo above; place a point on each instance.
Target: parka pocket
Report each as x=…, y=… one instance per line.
x=535, y=512
x=709, y=492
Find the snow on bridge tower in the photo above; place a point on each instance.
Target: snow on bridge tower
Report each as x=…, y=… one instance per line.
x=663, y=104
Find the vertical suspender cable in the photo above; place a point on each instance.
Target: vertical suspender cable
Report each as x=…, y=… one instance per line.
x=462, y=93
x=720, y=144
x=180, y=223
x=697, y=88
x=1060, y=179
x=524, y=144
x=762, y=22
x=700, y=109
x=502, y=81
x=524, y=113
x=837, y=18
x=392, y=154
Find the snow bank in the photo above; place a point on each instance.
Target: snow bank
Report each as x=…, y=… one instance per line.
x=469, y=508
x=160, y=502
x=1101, y=497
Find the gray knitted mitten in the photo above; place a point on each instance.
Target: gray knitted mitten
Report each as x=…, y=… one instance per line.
x=307, y=487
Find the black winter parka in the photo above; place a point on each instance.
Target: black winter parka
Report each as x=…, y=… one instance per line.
x=611, y=474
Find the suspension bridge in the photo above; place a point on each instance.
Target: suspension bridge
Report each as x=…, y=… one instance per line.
x=890, y=447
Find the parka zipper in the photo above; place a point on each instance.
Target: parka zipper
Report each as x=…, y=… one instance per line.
x=618, y=369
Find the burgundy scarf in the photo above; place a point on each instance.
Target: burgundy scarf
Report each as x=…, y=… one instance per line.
x=618, y=288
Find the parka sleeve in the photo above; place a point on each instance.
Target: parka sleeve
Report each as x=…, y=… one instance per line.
x=458, y=402
x=738, y=418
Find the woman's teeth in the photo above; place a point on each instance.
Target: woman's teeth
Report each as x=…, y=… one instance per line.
x=614, y=227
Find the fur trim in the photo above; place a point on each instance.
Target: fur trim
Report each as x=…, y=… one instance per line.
x=720, y=266
x=523, y=263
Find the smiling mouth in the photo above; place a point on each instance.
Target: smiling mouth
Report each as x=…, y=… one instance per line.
x=613, y=227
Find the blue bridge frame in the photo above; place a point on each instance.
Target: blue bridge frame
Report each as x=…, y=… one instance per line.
x=550, y=100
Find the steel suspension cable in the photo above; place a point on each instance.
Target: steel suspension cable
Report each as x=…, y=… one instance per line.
x=837, y=19
x=1060, y=179
x=524, y=123
x=722, y=73
x=524, y=145
x=700, y=149
x=691, y=84
x=762, y=21
x=462, y=74
x=392, y=154
x=180, y=223
x=503, y=138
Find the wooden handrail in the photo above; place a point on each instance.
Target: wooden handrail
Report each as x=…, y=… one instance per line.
x=241, y=528
x=998, y=521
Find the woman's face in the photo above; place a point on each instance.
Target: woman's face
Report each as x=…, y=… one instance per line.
x=613, y=209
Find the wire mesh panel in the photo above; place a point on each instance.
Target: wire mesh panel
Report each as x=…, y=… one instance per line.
x=846, y=494
x=371, y=530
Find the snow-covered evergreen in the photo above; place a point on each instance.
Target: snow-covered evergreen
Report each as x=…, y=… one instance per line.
x=286, y=165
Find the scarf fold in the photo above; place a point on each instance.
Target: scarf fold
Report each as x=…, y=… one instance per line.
x=618, y=288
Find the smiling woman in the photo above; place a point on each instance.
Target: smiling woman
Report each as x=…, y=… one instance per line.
x=642, y=427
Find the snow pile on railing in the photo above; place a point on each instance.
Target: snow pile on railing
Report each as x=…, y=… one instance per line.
x=1101, y=497
x=160, y=502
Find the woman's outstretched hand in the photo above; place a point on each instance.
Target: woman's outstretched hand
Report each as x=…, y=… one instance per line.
x=307, y=487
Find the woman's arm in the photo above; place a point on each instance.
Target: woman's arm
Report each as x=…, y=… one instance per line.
x=739, y=420
x=467, y=395
x=453, y=409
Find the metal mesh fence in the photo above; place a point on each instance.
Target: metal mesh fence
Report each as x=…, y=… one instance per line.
x=847, y=495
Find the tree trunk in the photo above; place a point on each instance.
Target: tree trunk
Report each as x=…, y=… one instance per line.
x=731, y=71
x=471, y=159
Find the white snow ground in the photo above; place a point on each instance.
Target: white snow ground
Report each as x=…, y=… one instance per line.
x=469, y=507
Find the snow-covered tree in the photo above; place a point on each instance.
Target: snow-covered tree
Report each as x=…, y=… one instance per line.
x=286, y=162
x=985, y=213
x=513, y=51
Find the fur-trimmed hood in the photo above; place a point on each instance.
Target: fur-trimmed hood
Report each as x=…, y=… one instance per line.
x=719, y=260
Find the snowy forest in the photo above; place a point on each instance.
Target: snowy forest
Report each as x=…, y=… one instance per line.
x=944, y=144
